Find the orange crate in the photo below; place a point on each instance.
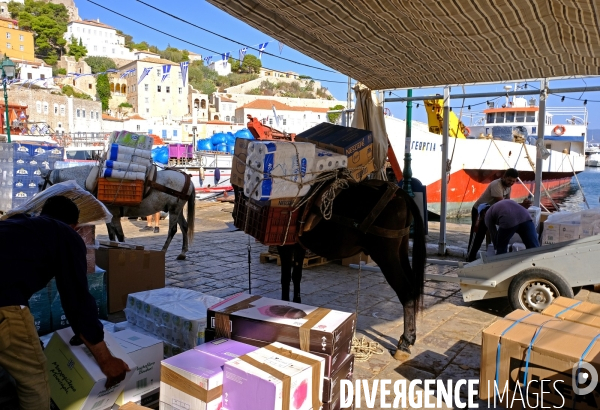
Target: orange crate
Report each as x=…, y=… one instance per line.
x=268, y=224
x=120, y=192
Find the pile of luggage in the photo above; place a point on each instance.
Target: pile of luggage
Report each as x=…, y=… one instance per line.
x=272, y=176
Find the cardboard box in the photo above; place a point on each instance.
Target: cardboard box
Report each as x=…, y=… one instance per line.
x=331, y=385
x=573, y=310
x=193, y=380
x=76, y=381
x=133, y=406
x=550, y=234
x=556, y=348
x=271, y=320
x=238, y=167
x=332, y=363
x=147, y=353
x=355, y=143
x=129, y=271
x=569, y=232
x=262, y=379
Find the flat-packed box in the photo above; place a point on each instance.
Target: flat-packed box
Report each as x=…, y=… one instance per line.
x=312, y=329
x=527, y=348
x=273, y=377
x=76, y=381
x=573, y=310
x=129, y=271
x=193, y=380
x=238, y=167
x=355, y=143
x=147, y=353
x=332, y=362
x=133, y=406
x=568, y=232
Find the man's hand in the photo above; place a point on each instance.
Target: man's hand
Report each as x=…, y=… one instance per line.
x=115, y=369
x=526, y=203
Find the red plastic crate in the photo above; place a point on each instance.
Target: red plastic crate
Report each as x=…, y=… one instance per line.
x=268, y=224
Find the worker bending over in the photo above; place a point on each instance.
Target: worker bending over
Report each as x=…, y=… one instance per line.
x=511, y=218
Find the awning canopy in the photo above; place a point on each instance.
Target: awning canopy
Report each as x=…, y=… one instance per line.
x=389, y=44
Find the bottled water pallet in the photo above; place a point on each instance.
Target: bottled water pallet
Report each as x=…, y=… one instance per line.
x=309, y=261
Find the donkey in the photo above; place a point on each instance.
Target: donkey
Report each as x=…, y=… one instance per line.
x=155, y=202
x=386, y=242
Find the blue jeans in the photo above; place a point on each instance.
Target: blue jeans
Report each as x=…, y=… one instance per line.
x=526, y=231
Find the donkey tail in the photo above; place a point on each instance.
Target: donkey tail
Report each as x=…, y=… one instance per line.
x=419, y=252
x=191, y=213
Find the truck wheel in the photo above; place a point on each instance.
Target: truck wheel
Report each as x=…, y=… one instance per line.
x=535, y=289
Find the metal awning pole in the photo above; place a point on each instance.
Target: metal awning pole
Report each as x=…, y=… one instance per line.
x=444, y=180
x=539, y=144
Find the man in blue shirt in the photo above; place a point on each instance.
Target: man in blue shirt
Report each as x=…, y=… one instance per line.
x=511, y=218
x=33, y=250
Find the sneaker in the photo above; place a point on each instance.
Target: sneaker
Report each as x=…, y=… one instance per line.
x=156, y=229
x=146, y=228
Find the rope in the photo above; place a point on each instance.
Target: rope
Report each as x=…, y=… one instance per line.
x=363, y=349
x=329, y=196
x=578, y=184
x=541, y=183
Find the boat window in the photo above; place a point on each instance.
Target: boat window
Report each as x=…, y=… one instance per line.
x=510, y=117
x=490, y=118
x=520, y=117
x=530, y=117
x=499, y=117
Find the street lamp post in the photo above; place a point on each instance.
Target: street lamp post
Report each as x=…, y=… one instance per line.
x=8, y=73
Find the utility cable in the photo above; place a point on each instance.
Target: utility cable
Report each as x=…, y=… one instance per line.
x=232, y=40
x=196, y=45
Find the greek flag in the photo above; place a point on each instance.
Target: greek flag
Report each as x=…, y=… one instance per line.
x=280, y=47
x=144, y=74
x=166, y=72
x=261, y=48
x=44, y=129
x=184, y=68
x=208, y=60
x=225, y=58
x=242, y=55
x=126, y=73
x=112, y=70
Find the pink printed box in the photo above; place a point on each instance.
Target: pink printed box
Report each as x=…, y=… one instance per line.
x=193, y=380
x=273, y=377
x=309, y=328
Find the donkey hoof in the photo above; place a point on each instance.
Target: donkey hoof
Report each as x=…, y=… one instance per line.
x=401, y=355
x=181, y=257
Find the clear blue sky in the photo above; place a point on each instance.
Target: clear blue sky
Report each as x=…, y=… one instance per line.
x=212, y=18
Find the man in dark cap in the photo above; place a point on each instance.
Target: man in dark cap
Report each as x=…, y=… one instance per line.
x=33, y=250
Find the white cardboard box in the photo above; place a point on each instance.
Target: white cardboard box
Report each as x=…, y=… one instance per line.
x=147, y=352
x=551, y=232
x=568, y=232
x=76, y=381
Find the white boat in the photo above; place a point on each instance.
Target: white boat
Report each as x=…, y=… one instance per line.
x=592, y=154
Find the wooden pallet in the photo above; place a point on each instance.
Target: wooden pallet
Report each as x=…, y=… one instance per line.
x=309, y=262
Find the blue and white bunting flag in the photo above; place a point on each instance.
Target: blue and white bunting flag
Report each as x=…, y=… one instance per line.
x=242, y=55
x=225, y=58
x=112, y=70
x=44, y=129
x=144, y=74
x=126, y=73
x=208, y=60
x=280, y=47
x=166, y=71
x=261, y=48
x=184, y=69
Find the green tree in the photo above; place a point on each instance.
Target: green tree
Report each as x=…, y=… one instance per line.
x=70, y=92
x=49, y=23
x=251, y=64
x=100, y=64
x=58, y=71
x=333, y=117
x=103, y=90
x=77, y=50
x=207, y=87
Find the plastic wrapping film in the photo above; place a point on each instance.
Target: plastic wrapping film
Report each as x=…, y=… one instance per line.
x=275, y=168
x=328, y=160
x=130, y=139
x=91, y=211
x=177, y=316
x=117, y=173
x=125, y=166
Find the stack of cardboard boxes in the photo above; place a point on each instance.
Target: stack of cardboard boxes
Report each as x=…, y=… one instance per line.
x=568, y=226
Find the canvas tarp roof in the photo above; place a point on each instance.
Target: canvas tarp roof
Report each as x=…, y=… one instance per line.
x=389, y=44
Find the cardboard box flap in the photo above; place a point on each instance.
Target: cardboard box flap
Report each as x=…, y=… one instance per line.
x=575, y=311
x=195, y=366
x=225, y=349
x=136, y=339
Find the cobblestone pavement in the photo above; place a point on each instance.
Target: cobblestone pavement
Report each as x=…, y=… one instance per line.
x=448, y=330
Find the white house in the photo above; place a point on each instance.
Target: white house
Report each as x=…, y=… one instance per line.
x=291, y=119
x=34, y=72
x=221, y=67
x=225, y=108
x=99, y=39
x=141, y=54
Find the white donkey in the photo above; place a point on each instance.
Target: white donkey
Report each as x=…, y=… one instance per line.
x=155, y=202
